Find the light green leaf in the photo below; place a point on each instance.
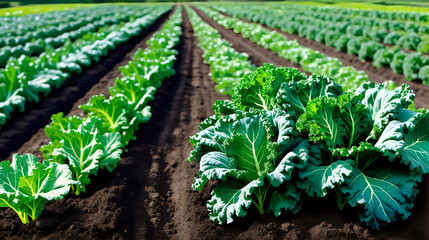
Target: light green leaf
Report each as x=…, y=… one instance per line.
x=323, y=122
x=296, y=95
x=60, y=124
x=250, y=145
x=113, y=111
x=111, y=143
x=48, y=151
x=357, y=120
x=133, y=92
x=27, y=184
x=83, y=152
x=259, y=89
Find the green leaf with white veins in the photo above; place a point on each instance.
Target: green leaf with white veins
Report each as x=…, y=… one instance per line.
x=357, y=120
x=59, y=123
x=112, y=111
x=322, y=120
x=83, y=151
x=250, y=146
x=390, y=142
x=383, y=104
x=133, y=92
x=112, y=145
x=231, y=198
x=243, y=150
x=416, y=146
x=27, y=184
x=10, y=93
x=215, y=165
x=212, y=138
x=315, y=180
x=387, y=194
x=296, y=95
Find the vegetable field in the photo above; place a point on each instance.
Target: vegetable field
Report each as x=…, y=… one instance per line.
x=214, y=121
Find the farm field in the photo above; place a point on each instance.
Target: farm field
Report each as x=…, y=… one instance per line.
x=135, y=82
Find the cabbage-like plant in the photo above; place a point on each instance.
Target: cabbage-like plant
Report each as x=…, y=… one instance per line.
x=26, y=184
x=367, y=146
x=253, y=154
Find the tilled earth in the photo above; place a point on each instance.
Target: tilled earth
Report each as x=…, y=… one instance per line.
x=149, y=195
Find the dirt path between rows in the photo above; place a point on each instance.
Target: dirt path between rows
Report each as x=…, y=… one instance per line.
x=24, y=125
x=160, y=207
x=375, y=74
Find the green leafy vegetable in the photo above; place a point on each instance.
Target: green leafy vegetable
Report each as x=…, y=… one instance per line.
x=254, y=154
x=26, y=185
x=259, y=89
x=368, y=147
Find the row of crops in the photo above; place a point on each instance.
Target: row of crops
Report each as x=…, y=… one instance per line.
x=380, y=41
x=311, y=61
x=80, y=147
x=28, y=77
x=282, y=136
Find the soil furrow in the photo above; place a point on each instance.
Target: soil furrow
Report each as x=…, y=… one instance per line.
x=375, y=74
x=147, y=212
x=23, y=126
x=257, y=55
x=159, y=177
x=189, y=218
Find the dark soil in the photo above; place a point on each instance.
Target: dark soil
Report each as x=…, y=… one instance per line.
x=375, y=74
x=149, y=195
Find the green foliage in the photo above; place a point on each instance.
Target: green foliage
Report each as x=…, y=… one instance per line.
x=26, y=185
x=61, y=53
x=80, y=147
x=311, y=61
x=259, y=89
x=384, y=56
x=366, y=146
x=83, y=145
x=295, y=95
x=388, y=194
x=226, y=64
x=412, y=64
x=356, y=33
x=255, y=154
